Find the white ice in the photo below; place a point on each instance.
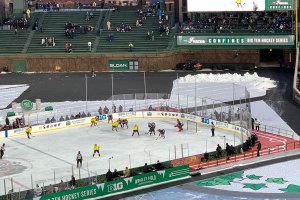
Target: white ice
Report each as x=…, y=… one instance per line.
x=56, y=150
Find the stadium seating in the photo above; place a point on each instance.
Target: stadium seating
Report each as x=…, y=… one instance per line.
x=11, y=43
x=54, y=26
x=138, y=35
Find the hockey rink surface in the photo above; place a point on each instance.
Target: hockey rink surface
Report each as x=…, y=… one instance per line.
x=52, y=154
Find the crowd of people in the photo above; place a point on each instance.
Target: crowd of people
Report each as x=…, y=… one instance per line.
x=17, y=23
x=48, y=42
x=72, y=29
x=124, y=28
x=18, y=122
x=229, y=22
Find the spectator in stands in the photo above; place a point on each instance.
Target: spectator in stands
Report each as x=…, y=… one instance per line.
x=258, y=148
x=53, y=120
x=70, y=48
x=126, y=172
x=90, y=46
x=257, y=124
x=120, y=108
x=109, y=175
x=219, y=151
x=37, y=191
x=73, y=182
x=108, y=25
x=61, y=119
x=116, y=174
x=158, y=166
x=105, y=110
x=7, y=121
x=67, y=47
x=100, y=111
x=28, y=13
x=114, y=108
x=146, y=168
x=167, y=30
x=110, y=37
x=130, y=46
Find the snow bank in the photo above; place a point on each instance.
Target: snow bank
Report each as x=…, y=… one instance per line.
x=253, y=80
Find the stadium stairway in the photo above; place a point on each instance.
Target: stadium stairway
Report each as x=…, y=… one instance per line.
x=54, y=26
x=137, y=36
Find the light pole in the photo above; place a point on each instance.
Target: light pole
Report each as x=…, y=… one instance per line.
x=86, y=92
x=145, y=88
x=109, y=161
x=178, y=92
x=112, y=88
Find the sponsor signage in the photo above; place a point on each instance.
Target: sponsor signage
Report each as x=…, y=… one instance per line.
x=121, y=185
x=26, y=105
x=102, y=117
x=118, y=65
x=279, y=5
x=225, y=5
x=76, y=121
x=127, y=114
x=238, y=5
x=236, y=40
x=51, y=126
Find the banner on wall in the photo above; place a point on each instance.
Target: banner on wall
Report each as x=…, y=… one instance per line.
x=121, y=185
x=236, y=40
x=238, y=5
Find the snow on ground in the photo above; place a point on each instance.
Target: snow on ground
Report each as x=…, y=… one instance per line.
x=8, y=93
x=267, y=116
x=56, y=150
x=218, y=87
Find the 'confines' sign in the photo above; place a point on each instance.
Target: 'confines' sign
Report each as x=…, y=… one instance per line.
x=237, y=40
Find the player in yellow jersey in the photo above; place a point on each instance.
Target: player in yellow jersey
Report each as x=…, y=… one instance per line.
x=96, y=150
x=238, y=3
x=28, y=131
x=93, y=121
x=114, y=126
x=136, y=130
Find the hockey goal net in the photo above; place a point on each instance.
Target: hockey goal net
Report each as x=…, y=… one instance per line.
x=192, y=126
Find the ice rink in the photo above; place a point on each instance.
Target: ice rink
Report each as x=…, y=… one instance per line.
x=52, y=154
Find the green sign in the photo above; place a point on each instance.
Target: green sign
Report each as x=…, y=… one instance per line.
x=279, y=5
x=118, y=65
x=121, y=185
x=237, y=40
x=26, y=105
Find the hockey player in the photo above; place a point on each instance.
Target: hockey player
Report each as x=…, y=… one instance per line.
x=136, y=130
x=93, y=121
x=179, y=125
x=79, y=159
x=110, y=118
x=161, y=133
x=28, y=131
x=124, y=122
x=120, y=122
x=96, y=150
x=151, y=128
x=2, y=149
x=114, y=126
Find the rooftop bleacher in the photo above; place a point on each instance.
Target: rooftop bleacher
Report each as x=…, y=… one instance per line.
x=238, y=23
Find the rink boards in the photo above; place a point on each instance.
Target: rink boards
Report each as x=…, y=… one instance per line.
x=36, y=129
